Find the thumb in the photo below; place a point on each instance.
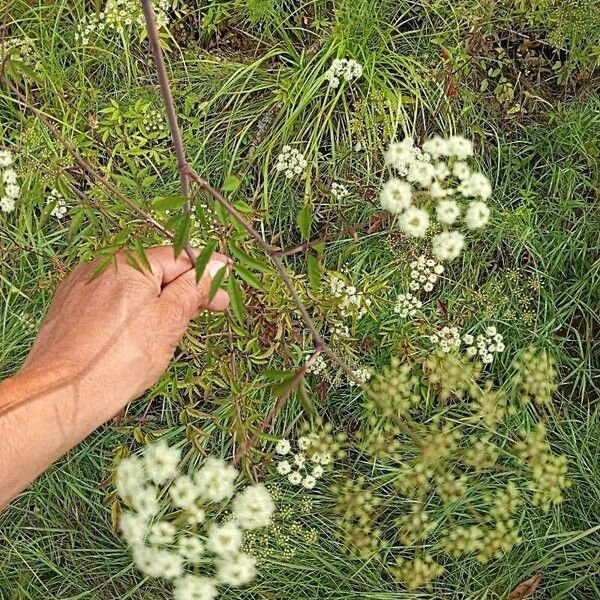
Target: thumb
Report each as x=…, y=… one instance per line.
x=190, y=296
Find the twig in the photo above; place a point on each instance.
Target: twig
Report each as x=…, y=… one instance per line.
x=277, y=408
x=167, y=95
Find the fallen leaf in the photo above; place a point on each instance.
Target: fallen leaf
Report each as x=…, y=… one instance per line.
x=526, y=589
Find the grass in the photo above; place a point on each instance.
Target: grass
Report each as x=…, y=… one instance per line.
x=247, y=79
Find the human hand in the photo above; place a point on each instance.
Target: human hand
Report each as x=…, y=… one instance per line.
x=115, y=334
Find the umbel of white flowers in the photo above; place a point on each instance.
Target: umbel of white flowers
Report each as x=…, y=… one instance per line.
x=436, y=174
x=167, y=527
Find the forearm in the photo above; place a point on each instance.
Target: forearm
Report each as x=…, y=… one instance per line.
x=44, y=413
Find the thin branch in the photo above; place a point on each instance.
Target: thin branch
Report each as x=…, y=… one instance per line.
x=167, y=95
x=277, y=408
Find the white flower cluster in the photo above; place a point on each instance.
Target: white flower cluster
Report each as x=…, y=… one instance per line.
x=484, y=345
x=59, y=206
x=300, y=469
x=424, y=273
x=359, y=376
x=120, y=16
x=353, y=302
x=291, y=162
x=346, y=69
x=10, y=189
x=164, y=547
x=436, y=171
x=153, y=121
x=339, y=190
x=407, y=305
x=318, y=366
x=22, y=49
x=447, y=339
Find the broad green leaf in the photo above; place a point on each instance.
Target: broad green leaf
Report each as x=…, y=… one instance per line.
x=204, y=257
x=237, y=299
x=243, y=207
x=304, y=220
x=314, y=271
x=231, y=183
x=285, y=386
x=168, y=202
x=215, y=284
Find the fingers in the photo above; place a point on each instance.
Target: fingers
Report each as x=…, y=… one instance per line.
x=187, y=297
x=166, y=268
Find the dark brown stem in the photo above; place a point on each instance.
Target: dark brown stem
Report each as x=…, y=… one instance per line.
x=277, y=408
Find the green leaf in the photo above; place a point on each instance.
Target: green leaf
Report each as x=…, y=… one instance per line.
x=231, y=183
x=141, y=252
x=168, y=202
x=204, y=257
x=182, y=235
x=314, y=271
x=102, y=266
x=237, y=299
x=215, y=284
x=249, y=260
x=284, y=386
x=304, y=220
x=247, y=275
x=305, y=401
x=132, y=261
x=76, y=222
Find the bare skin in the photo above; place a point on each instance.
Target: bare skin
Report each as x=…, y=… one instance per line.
x=103, y=343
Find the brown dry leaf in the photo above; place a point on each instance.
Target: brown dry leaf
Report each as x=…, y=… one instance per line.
x=526, y=589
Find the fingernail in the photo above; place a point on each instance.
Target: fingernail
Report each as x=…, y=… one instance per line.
x=214, y=266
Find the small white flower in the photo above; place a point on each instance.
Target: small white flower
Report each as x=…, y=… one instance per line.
x=436, y=146
x=282, y=447
x=161, y=461
x=9, y=176
x=396, y=195
x=6, y=159
x=342, y=68
x=183, y=492
x=339, y=190
x=295, y=478
x=460, y=147
x=195, y=514
x=461, y=170
x=162, y=533
x=145, y=501
x=448, y=244
x=215, y=480
x=133, y=527
x=236, y=570
x=299, y=460
x=414, y=222
x=447, y=211
x=317, y=472
x=304, y=442
x=192, y=587
x=224, y=540
x=309, y=482
x=291, y=162
x=477, y=215
x=7, y=204
x=283, y=467
x=254, y=507
x=158, y=563
x=190, y=548
x=421, y=172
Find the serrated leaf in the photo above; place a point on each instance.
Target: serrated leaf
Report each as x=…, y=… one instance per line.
x=304, y=220
x=231, y=183
x=169, y=202
x=313, y=266
x=247, y=275
x=204, y=257
x=237, y=299
x=215, y=284
x=182, y=235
